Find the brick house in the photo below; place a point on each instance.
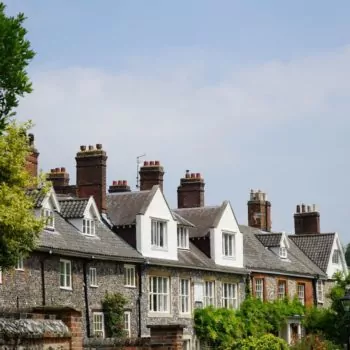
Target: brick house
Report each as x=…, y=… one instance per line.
x=179, y=274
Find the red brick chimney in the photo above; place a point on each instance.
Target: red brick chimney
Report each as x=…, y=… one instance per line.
x=119, y=186
x=60, y=181
x=32, y=158
x=151, y=173
x=306, y=219
x=259, y=211
x=190, y=193
x=91, y=174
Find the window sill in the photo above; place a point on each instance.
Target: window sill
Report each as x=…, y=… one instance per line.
x=20, y=270
x=159, y=314
x=93, y=286
x=129, y=286
x=229, y=257
x=161, y=249
x=66, y=288
x=187, y=315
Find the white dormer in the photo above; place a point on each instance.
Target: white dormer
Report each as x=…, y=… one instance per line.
x=156, y=228
x=48, y=207
x=337, y=262
x=284, y=246
x=226, y=240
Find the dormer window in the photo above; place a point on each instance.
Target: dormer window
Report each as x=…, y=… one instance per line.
x=283, y=252
x=47, y=214
x=228, y=245
x=182, y=237
x=159, y=234
x=336, y=257
x=89, y=227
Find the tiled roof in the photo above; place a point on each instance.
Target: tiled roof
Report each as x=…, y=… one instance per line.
x=181, y=220
x=203, y=218
x=38, y=196
x=122, y=208
x=69, y=240
x=194, y=258
x=270, y=239
x=257, y=257
x=73, y=208
x=318, y=247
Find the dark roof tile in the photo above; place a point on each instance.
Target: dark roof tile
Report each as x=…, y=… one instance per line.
x=73, y=208
x=270, y=239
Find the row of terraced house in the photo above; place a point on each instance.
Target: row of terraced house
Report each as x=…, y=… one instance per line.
x=165, y=261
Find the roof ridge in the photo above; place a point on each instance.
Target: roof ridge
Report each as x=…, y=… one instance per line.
x=197, y=208
x=311, y=234
x=127, y=193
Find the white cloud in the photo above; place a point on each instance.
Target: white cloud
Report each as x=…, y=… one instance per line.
x=177, y=113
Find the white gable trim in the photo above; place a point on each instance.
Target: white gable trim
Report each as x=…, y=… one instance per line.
x=332, y=268
x=284, y=241
x=91, y=205
x=51, y=197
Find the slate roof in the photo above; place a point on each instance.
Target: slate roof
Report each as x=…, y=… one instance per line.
x=69, y=240
x=270, y=239
x=73, y=208
x=318, y=247
x=257, y=257
x=123, y=207
x=204, y=218
x=37, y=195
x=195, y=258
x=181, y=220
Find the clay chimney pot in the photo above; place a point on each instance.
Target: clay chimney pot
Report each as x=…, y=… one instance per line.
x=151, y=162
x=83, y=148
x=145, y=163
x=125, y=182
x=98, y=145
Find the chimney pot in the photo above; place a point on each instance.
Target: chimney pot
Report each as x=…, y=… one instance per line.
x=52, y=170
x=309, y=209
x=298, y=208
x=151, y=162
x=125, y=182
x=120, y=182
x=156, y=162
x=98, y=145
x=57, y=170
x=114, y=183
x=83, y=148
x=63, y=170
x=145, y=163
x=198, y=175
x=91, y=147
x=303, y=208
x=193, y=175
x=187, y=175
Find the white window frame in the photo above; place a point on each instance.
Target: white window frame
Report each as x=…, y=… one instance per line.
x=93, y=277
x=283, y=252
x=89, y=227
x=20, y=264
x=159, y=239
x=229, y=295
x=185, y=296
x=228, y=244
x=320, y=291
x=129, y=276
x=49, y=217
x=101, y=330
x=259, y=288
x=209, y=293
x=159, y=294
x=66, y=263
x=301, y=293
x=279, y=294
x=336, y=257
x=127, y=323
x=186, y=344
x=182, y=237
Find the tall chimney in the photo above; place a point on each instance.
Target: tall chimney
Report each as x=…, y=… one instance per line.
x=190, y=193
x=151, y=173
x=306, y=220
x=259, y=211
x=119, y=186
x=59, y=178
x=91, y=174
x=32, y=158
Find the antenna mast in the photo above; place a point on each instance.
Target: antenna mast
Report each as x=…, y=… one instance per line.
x=138, y=169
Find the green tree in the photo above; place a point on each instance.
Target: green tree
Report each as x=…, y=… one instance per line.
x=19, y=227
x=265, y=342
x=15, y=55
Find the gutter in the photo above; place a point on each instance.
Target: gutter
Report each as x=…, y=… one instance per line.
x=283, y=273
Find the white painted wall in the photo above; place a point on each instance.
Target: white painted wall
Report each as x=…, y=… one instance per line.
x=229, y=224
x=342, y=267
x=157, y=209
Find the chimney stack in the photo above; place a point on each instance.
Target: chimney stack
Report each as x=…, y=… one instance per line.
x=259, y=211
x=190, y=193
x=32, y=158
x=91, y=174
x=306, y=219
x=60, y=181
x=119, y=186
x=151, y=173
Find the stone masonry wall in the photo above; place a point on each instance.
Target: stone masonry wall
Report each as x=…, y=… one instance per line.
x=24, y=288
x=175, y=275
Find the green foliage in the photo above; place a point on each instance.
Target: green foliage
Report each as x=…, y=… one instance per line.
x=113, y=308
x=15, y=55
x=347, y=254
x=314, y=342
x=265, y=342
x=19, y=228
x=333, y=323
x=224, y=328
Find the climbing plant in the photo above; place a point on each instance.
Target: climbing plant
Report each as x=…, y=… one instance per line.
x=113, y=308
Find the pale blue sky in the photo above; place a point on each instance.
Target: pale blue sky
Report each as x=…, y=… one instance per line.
x=253, y=94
